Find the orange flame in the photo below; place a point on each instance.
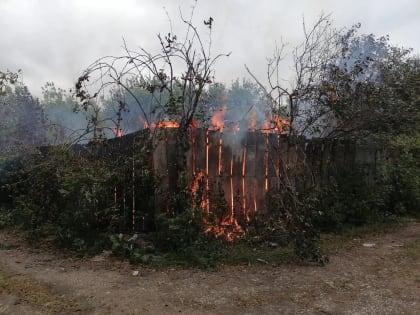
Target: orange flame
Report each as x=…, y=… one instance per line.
x=167, y=124
x=266, y=161
x=275, y=124
x=218, y=122
x=220, y=166
x=195, y=124
x=199, y=185
x=117, y=132
x=228, y=228
x=161, y=124
x=253, y=120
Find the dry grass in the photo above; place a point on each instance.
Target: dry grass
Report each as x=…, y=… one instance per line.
x=38, y=295
x=412, y=249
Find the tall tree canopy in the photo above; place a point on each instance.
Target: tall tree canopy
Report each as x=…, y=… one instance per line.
x=346, y=84
x=22, y=122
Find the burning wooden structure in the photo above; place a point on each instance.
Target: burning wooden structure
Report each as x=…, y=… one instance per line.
x=230, y=173
x=243, y=168
x=231, y=168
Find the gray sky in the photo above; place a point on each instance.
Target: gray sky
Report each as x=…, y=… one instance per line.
x=54, y=40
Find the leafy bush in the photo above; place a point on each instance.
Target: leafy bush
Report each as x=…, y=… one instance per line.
x=72, y=196
x=373, y=193
x=178, y=240
x=295, y=215
x=405, y=177
x=348, y=199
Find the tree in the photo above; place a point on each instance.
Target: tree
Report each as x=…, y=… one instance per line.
x=23, y=121
x=176, y=78
x=7, y=78
x=345, y=84
x=65, y=123
x=372, y=88
x=348, y=86
x=300, y=101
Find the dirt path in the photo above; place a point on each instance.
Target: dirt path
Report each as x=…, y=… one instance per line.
x=381, y=279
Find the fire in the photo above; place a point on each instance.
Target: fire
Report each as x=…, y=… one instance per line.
x=266, y=128
x=167, y=124
x=207, y=188
x=220, y=165
x=218, y=119
x=266, y=161
x=253, y=120
x=199, y=188
x=143, y=121
x=234, y=169
x=282, y=125
x=160, y=124
x=243, y=186
x=228, y=228
x=195, y=124
x=117, y=132
x=275, y=124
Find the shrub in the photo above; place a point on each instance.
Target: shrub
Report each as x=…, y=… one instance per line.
x=295, y=215
x=72, y=196
x=405, y=179
x=350, y=199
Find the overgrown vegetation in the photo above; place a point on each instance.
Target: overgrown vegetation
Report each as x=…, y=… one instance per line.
x=69, y=193
x=106, y=194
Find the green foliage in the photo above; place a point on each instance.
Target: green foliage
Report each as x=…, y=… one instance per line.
x=177, y=240
x=405, y=175
x=72, y=197
x=349, y=200
x=7, y=78
x=22, y=123
x=6, y=218
x=180, y=231
x=65, y=196
x=372, y=87
x=295, y=215
x=373, y=193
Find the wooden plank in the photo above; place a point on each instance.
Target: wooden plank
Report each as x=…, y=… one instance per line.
x=260, y=155
x=160, y=166
x=226, y=156
x=159, y=157
x=173, y=161
x=213, y=156
x=251, y=194
x=273, y=155
x=199, y=150
x=250, y=155
x=261, y=170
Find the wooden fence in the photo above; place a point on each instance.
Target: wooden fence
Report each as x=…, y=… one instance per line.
x=245, y=167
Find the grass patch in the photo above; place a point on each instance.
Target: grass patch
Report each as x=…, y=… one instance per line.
x=184, y=259
x=249, y=252
x=244, y=253
x=333, y=242
x=4, y=246
x=412, y=249
x=36, y=294
x=238, y=253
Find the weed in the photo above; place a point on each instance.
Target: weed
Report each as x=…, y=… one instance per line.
x=412, y=249
x=37, y=294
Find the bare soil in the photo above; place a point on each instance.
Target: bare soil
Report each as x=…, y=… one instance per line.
x=373, y=274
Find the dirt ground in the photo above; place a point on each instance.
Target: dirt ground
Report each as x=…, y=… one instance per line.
x=376, y=274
